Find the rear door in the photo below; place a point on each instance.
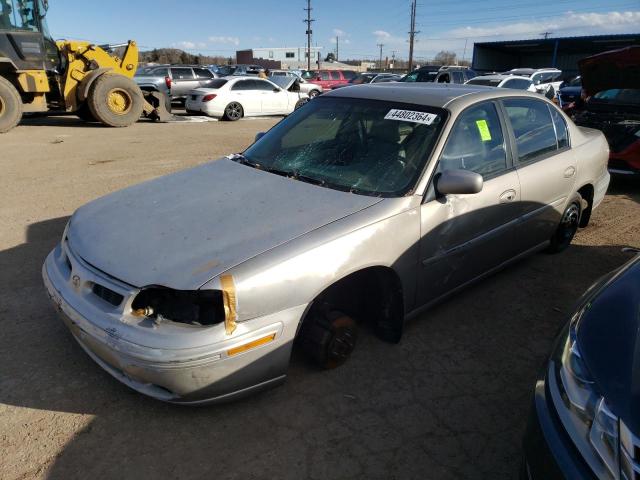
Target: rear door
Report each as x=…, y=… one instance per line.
x=546, y=167
x=183, y=81
x=464, y=236
x=248, y=94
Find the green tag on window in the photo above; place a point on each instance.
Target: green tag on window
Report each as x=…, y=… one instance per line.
x=483, y=128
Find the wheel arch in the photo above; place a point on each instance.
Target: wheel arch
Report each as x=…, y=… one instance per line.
x=372, y=294
x=587, y=193
x=82, y=91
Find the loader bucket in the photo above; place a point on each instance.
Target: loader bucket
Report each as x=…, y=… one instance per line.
x=154, y=107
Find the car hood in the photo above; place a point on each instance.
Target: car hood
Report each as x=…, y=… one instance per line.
x=184, y=229
x=614, y=69
x=609, y=341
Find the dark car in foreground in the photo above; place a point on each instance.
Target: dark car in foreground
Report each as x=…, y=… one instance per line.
x=585, y=418
x=611, y=84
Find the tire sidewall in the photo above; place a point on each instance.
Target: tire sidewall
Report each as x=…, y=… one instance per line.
x=97, y=100
x=560, y=241
x=11, y=106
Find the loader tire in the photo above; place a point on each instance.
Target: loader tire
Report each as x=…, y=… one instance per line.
x=115, y=100
x=10, y=106
x=85, y=114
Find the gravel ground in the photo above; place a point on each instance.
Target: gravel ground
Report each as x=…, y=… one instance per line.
x=450, y=401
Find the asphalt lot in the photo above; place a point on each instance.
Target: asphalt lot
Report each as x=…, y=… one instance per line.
x=450, y=401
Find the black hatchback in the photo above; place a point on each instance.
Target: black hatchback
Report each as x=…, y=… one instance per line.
x=585, y=418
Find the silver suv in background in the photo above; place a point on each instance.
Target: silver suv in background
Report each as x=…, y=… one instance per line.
x=178, y=79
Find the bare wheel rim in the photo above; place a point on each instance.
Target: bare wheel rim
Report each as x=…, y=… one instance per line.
x=342, y=344
x=119, y=101
x=2, y=107
x=234, y=110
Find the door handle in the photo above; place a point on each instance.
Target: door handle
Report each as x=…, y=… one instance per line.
x=569, y=172
x=508, y=196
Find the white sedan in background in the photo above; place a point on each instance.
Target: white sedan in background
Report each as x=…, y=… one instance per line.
x=232, y=98
x=503, y=81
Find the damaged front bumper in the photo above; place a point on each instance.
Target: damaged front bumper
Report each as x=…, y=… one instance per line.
x=171, y=362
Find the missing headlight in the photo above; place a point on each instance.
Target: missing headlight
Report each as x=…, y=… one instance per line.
x=193, y=307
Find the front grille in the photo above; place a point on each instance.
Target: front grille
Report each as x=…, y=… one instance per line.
x=107, y=294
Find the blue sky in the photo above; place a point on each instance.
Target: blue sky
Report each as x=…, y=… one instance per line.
x=220, y=27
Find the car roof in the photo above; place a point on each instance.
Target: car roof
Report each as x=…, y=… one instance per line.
x=499, y=76
x=449, y=95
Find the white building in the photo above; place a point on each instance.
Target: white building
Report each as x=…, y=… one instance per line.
x=290, y=57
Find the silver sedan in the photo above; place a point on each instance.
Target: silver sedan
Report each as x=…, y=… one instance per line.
x=367, y=205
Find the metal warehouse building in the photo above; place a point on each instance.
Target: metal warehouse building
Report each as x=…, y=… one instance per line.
x=562, y=52
x=292, y=57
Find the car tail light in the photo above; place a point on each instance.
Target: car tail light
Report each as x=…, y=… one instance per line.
x=208, y=98
x=167, y=81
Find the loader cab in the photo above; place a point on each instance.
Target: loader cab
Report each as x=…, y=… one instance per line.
x=25, y=40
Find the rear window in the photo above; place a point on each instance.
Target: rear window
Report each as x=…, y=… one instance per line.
x=181, y=73
x=203, y=73
x=335, y=76
x=484, y=81
x=216, y=83
x=157, y=72
x=349, y=74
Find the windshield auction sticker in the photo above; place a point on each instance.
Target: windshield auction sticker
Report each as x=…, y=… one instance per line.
x=411, y=116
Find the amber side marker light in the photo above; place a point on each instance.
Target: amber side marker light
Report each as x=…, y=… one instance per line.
x=248, y=346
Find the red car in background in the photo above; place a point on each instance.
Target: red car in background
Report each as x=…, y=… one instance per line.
x=611, y=89
x=328, y=79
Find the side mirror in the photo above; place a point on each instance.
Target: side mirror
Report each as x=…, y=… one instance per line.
x=259, y=135
x=459, y=182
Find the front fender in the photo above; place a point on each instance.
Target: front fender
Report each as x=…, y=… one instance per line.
x=297, y=272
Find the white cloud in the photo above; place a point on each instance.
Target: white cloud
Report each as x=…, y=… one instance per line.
x=338, y=32
x=223, y=39
x=188, y=45
x=381, y=34
x=569, y=24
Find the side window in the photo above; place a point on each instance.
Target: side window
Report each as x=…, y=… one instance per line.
x=243, y=85
x=444, y=78
x=476, y=142
x=324, y=76
x=263, y=86
x=532, y=127
x=203, y=73
x=412, y=77
x=182, y=74
x=458, y=77
x=335, y=75
x=158, y=72
x=561, y=128
x=536, y=78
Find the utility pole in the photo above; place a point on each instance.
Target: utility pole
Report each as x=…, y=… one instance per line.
x=309, y=21
x=412, y=33
x=337, y=46
x=546, y=34
x=380, y=64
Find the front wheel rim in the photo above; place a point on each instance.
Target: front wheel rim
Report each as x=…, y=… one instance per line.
x=119, y=101
x=2, y=106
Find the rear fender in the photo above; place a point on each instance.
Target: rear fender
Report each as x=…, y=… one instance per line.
x=82, y=91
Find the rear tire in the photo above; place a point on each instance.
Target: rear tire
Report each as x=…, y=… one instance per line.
x=115, y=100
x=329, y=339
x=314, y=93
x=233, y=112
x=301, y=103
x=10, y=106
x=568, y=227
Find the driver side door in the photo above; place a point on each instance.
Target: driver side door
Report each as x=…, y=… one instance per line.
x=465, y=236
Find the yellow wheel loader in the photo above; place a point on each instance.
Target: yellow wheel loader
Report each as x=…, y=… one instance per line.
x=38, y=74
